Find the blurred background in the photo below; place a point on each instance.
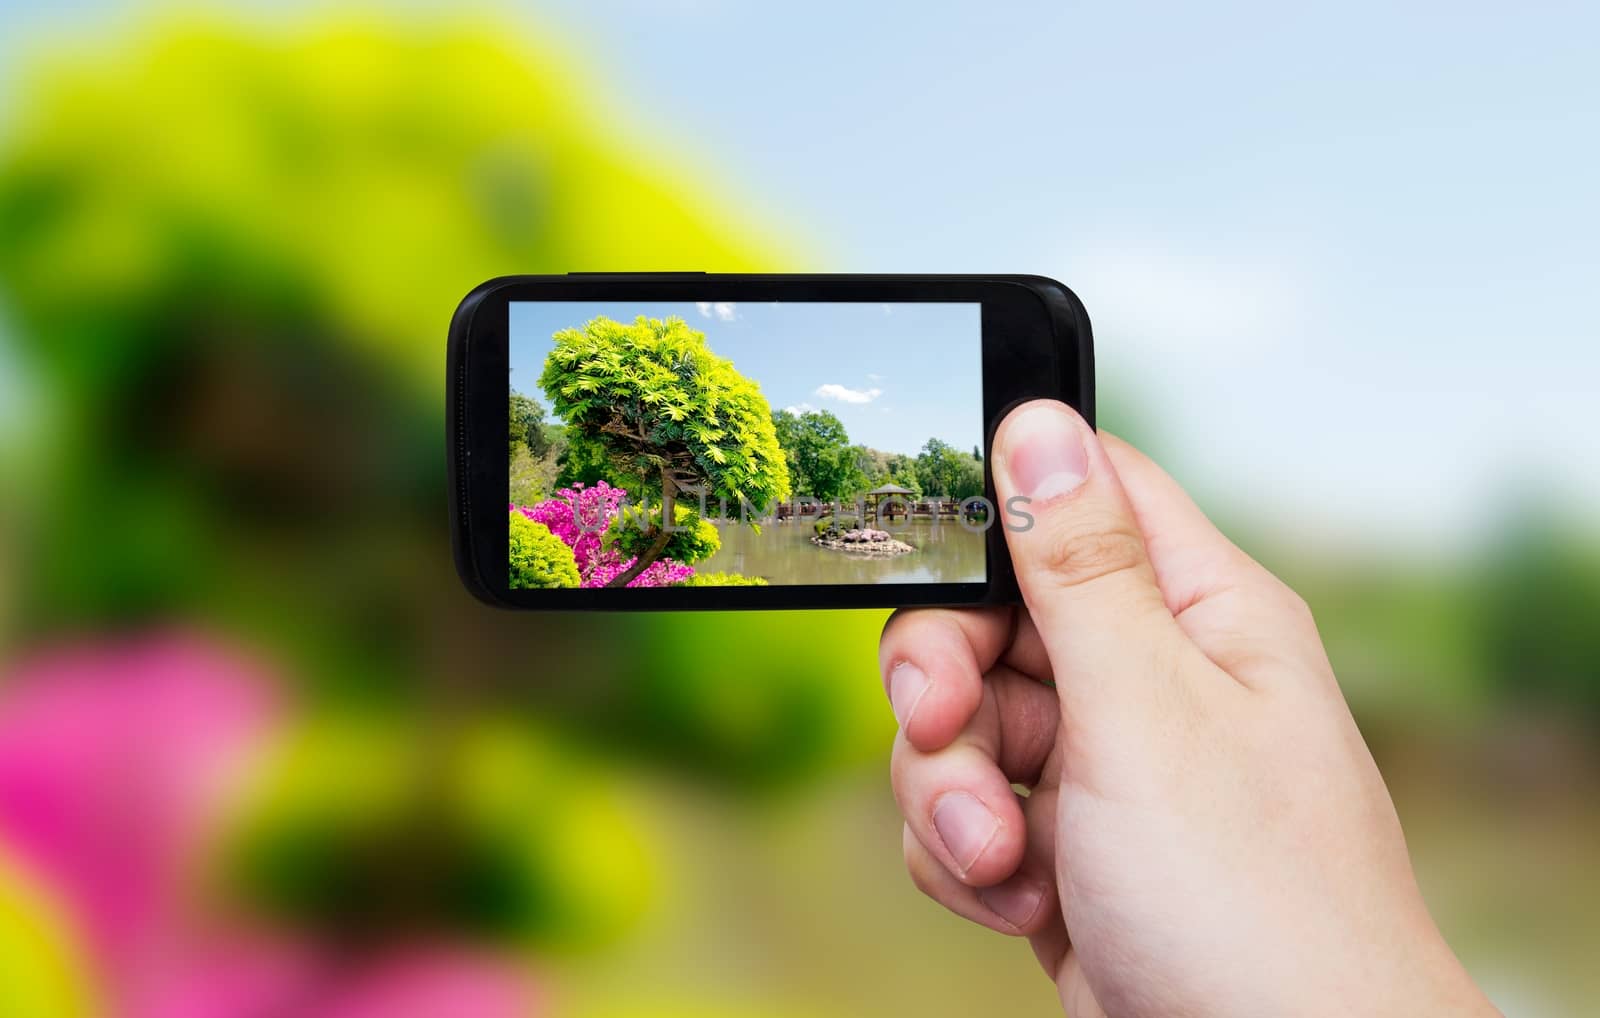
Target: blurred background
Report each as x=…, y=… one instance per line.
x=260, y=755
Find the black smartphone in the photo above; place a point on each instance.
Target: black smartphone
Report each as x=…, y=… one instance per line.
x=685, y=440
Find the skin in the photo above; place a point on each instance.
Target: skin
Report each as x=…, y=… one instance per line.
x=1205, y=831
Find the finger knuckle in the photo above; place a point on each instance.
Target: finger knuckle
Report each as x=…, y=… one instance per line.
x=1294, y=609
x=1300, y=609
x=1075, y=554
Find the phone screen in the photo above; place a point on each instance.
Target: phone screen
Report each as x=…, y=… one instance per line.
x=798, y=442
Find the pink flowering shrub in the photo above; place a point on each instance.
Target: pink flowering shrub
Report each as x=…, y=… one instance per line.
x=579, y=515
x=660, y=573
x=114, y=762
x=435, y=981
x=119, y=764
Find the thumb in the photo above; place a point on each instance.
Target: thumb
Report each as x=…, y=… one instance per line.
x=1081, y=561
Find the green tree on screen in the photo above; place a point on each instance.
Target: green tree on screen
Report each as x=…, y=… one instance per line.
x=657, y=403
x=822, y=462
x=527, y=425
x=902, y=470
x=946, y=471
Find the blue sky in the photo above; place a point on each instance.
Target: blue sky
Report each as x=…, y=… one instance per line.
x=894, y=374
x=1342, y=259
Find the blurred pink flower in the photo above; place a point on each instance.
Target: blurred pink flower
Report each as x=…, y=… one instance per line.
x=434, y=982
x=245, y=979
x=226, y=977
x=112, y=759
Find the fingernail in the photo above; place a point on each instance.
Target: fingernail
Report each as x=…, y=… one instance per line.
x=966, y=827
x=907, y=684
x=1044, y=453
x=1014, y=902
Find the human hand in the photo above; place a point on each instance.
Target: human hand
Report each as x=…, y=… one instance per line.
x=1205, y=831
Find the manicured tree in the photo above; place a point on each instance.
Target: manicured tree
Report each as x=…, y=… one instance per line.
x=588, y=461
x=661, y=405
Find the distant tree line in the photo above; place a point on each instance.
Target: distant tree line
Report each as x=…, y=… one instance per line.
x=537, y=448
x=825, y=465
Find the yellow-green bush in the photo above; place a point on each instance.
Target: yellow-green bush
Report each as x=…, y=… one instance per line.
x=539, y=558
x=374, y=825
x=632, y=531
x=219, y=250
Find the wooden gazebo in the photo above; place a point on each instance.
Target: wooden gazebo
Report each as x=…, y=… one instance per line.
x=875, y=497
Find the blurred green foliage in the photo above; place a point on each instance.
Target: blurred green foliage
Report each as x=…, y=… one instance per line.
x=1536, y=615
x=238, y=328
x=228, y=256
x=374, y=827
x=237, y=335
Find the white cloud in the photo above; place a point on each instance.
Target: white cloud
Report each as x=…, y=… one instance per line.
x=844, y=394
x=874, y=378
x=721, y=310
x=799, y=408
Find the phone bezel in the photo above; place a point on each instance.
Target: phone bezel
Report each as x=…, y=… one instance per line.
x=1035, y=343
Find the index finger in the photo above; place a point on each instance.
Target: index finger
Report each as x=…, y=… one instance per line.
x=933, y=661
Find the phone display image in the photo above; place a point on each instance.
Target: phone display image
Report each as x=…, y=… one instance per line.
x=796, y=443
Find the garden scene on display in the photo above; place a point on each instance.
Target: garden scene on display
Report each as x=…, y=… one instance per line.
x=802, y=458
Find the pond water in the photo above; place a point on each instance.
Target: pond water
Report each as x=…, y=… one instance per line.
x=783, y=554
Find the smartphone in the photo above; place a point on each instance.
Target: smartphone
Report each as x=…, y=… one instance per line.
x=685, y=440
